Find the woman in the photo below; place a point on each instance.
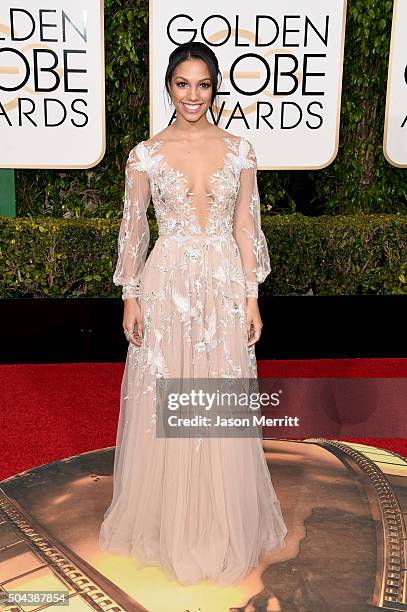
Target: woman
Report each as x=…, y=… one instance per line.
x=201, y=509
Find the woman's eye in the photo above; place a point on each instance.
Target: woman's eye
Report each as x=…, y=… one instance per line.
x=206, y=85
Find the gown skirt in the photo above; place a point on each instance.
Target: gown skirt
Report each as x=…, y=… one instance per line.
x=198, y=509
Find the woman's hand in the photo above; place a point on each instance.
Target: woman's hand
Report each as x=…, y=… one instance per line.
x=132, y=321
x=253, y=321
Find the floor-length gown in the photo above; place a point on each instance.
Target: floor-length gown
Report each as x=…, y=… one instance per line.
x=200, y=509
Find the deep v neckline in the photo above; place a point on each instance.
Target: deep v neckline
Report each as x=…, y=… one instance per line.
x=179, y=175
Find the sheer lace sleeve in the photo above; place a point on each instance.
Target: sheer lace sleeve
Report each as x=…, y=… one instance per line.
x=247, y=224
x=134, y=233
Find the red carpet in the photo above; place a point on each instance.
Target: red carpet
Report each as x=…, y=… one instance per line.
x=51, y=411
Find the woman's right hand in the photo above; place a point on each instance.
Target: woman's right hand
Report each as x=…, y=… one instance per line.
x=132, y=321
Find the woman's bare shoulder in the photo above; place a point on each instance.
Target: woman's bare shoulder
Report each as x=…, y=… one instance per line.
x=218, y=133
x=160, y=136
x=167, y=134
x=225, y=134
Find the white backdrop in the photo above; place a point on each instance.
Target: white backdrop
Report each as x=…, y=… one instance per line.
x=292, y=119
x=395, y=127
x=52, y=98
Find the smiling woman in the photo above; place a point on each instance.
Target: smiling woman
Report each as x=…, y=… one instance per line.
x=182, y=83
x=190, y=314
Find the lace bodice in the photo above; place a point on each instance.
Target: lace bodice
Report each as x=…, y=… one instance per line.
x=225, y=201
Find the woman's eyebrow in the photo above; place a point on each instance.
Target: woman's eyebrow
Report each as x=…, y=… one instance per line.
x=205, y=79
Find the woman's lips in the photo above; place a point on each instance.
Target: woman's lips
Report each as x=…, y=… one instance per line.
x=192, y=108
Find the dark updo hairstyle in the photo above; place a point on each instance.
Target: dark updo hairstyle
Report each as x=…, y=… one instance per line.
x=194, y=50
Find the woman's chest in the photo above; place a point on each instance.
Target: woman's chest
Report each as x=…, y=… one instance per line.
x=170, y=184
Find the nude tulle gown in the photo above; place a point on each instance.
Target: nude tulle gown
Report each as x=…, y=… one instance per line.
x=200, y=509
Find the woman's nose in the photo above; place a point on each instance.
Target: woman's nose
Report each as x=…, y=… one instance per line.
x=193, y=93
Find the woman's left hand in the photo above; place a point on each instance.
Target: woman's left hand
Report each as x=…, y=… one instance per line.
x=253, y=321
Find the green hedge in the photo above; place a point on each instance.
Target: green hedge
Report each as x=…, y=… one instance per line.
x=359, y=179
x=363, y=254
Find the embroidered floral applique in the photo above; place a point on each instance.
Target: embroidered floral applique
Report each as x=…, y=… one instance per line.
x=192, y=290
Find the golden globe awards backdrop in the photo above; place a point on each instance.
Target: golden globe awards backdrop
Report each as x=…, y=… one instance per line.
x=52, y=108
x=281, y=65
x=395, y=125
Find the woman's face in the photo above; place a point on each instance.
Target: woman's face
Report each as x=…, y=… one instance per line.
x=191, y=89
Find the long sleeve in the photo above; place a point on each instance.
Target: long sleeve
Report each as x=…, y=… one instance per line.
x=134, y=233
x=247, y=225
